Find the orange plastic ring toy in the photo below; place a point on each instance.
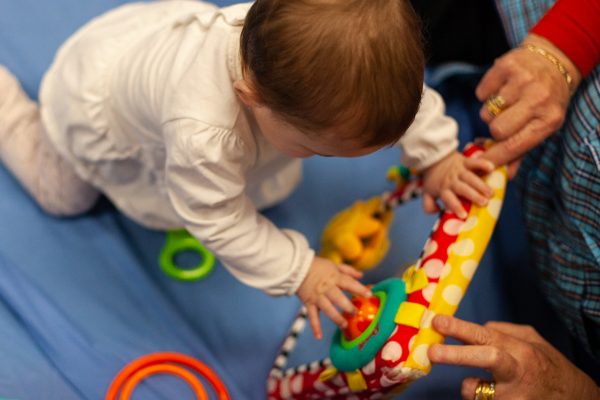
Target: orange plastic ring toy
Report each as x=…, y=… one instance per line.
x=163, y=358
x=173, y=369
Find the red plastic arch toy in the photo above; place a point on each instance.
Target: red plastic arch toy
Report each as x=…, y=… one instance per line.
x=176, y=364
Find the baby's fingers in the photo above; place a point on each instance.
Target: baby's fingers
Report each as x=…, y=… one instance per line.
x=353, y=286
x=452, y=203
x=314, y=320
x=468, y=193
x=333, y=313
x=477, y=184
x=429, y=204
x=348, y=270
x=339, y=299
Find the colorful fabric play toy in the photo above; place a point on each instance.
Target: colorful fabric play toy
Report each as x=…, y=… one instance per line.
x=385, y=345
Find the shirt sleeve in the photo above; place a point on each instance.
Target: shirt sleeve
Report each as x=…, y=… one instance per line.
x=573, y=26
x=206, y=185
x=432, y=136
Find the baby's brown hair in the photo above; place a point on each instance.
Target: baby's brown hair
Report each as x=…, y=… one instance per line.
x=323, y=63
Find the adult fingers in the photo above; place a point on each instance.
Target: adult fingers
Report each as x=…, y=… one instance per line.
x=491, y=82
x=490, y=357
x=511, y=120
x=525, y=333
x=479, y=164
x=452, y=203
x=314, y=320
x=485, y=112
x=469, y=385
x=429, y=204
x=513, y=168
x=486, y=348
x=507, y=95
x=516, y=146
x=464, y=331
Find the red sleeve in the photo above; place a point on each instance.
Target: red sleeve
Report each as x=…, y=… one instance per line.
x=574, y=27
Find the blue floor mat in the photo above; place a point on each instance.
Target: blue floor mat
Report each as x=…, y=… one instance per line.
x=81, y=297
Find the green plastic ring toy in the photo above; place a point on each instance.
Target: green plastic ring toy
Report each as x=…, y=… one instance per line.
x=350, y=356
x=179, y=241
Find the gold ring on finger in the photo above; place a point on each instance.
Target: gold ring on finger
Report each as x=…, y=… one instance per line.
x=485, y=390
x=495, y=104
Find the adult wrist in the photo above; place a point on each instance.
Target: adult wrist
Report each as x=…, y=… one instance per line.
x=552, y=51
x=593, y=392
x=572, y=25
x=588, y=388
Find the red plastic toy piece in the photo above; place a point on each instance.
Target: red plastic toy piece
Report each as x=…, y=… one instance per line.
x=126, y=380
x=366, y=311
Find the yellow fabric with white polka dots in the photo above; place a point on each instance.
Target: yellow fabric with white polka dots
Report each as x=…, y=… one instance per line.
x=463, y=258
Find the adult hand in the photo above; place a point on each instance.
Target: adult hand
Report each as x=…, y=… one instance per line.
x=523, y=365
x=535, y=96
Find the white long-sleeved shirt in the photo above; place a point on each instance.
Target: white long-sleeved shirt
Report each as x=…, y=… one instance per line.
x=141, y=102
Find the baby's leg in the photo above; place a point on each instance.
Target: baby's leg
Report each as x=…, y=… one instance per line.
x=28, y=154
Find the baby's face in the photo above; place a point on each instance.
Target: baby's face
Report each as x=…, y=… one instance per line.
x=296, y=143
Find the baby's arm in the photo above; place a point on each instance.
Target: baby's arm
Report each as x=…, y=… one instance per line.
x=205, y=181
x=322, y=290
x=206, y=186
x=429, y=146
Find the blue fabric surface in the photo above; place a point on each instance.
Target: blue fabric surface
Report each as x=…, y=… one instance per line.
x=82, y=297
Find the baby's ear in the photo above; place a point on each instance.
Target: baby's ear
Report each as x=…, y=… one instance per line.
x=246, y=92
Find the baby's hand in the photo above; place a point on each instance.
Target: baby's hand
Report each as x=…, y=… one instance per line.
x=456, y=176
x=322, y=289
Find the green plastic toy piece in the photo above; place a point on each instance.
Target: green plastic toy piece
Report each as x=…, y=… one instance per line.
x=350, y=356
x=180, y=241
x=349, y=344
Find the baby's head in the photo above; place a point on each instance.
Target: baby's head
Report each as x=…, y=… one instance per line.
x=331, y=77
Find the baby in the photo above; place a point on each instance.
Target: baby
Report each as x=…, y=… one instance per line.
x=187, y=115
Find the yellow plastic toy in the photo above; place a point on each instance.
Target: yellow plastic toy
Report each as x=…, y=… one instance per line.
x=358, y=236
